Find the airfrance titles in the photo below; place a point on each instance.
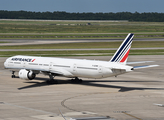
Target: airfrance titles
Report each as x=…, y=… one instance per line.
x=23, y=59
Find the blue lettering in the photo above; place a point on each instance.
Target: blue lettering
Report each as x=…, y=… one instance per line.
x=22, y=59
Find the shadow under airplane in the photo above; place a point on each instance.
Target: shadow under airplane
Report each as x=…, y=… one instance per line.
x=93, y=83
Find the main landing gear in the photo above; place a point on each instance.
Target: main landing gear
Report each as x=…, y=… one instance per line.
x=76, y=80
x=51, y=80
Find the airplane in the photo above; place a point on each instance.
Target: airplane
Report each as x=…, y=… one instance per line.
x=30, y=66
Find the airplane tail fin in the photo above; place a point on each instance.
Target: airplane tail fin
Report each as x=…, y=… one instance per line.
x=121, y=55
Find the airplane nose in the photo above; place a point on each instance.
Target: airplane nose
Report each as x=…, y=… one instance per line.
x=5, y=64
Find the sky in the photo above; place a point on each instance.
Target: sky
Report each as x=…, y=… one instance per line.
x=81, y=6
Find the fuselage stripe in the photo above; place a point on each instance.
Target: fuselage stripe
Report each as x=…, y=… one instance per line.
x=123, y=52
x=125, y=57
x=123, y=48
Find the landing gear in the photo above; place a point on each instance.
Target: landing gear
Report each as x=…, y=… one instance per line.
x=51, y=80
x=13, y=76
x=76, y=80
x=51, y=77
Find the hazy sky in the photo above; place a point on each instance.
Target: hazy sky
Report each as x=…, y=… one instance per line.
x=84, y=5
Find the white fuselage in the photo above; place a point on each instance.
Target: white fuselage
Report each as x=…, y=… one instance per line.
x=67, y=67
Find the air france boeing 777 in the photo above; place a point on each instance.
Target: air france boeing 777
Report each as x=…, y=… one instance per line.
x=30, y=66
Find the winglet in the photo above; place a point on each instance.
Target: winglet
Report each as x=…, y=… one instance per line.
x=121, y=55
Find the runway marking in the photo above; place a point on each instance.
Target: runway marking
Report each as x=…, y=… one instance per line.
x=42, y=111
x=83, y=112
x=132, y=115
x=48, y=117
x=62, y=103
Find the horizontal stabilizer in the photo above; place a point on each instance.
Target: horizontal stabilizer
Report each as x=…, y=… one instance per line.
x=144, y=66
x=138, y=62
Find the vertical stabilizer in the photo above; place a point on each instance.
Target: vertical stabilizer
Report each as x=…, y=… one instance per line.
x=121, y=55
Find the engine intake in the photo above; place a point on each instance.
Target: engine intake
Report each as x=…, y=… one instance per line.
x=26, y=75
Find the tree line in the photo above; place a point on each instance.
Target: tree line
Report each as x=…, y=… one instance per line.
x=147, y=17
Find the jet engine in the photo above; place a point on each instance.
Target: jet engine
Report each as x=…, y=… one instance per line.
x=26, y=75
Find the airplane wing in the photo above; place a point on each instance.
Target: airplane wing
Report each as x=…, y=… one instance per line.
x=144, y=66
x=61, y=72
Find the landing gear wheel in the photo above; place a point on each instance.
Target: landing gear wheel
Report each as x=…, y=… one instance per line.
x=51, y=80
x=76, y=80
x=80, y=80
x=13, y=76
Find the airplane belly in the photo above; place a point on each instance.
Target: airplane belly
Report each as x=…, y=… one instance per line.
x=88, y=74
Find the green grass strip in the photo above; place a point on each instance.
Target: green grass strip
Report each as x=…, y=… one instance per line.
x=136, y=44
x=78, y=53
x=26, y=27
x=75, y=36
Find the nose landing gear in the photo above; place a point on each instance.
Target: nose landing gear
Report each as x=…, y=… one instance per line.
x=13, y=76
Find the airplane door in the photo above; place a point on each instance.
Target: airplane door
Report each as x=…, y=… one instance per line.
x=50, y=67
x=23, y=64
x=74, y=67
x=100, y=69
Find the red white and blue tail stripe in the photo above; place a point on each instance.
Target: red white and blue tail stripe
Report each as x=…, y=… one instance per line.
x=122, y=53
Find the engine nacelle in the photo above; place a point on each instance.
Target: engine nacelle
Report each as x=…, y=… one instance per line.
x=26, y=75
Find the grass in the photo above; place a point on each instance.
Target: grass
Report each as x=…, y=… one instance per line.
x=60, y=36
x=51, y=29
x=75, y=36
x=124, y=28
x=78, y=27
x=78, y=53
x=3, y=42
x=10, y=29
x=136, y=44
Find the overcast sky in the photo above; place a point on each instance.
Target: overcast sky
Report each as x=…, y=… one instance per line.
x=84, y=5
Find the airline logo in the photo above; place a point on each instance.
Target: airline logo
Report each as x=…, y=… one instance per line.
x=122, y=53
x=23, y=59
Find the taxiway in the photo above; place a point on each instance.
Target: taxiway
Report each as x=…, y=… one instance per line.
x=127, y=97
